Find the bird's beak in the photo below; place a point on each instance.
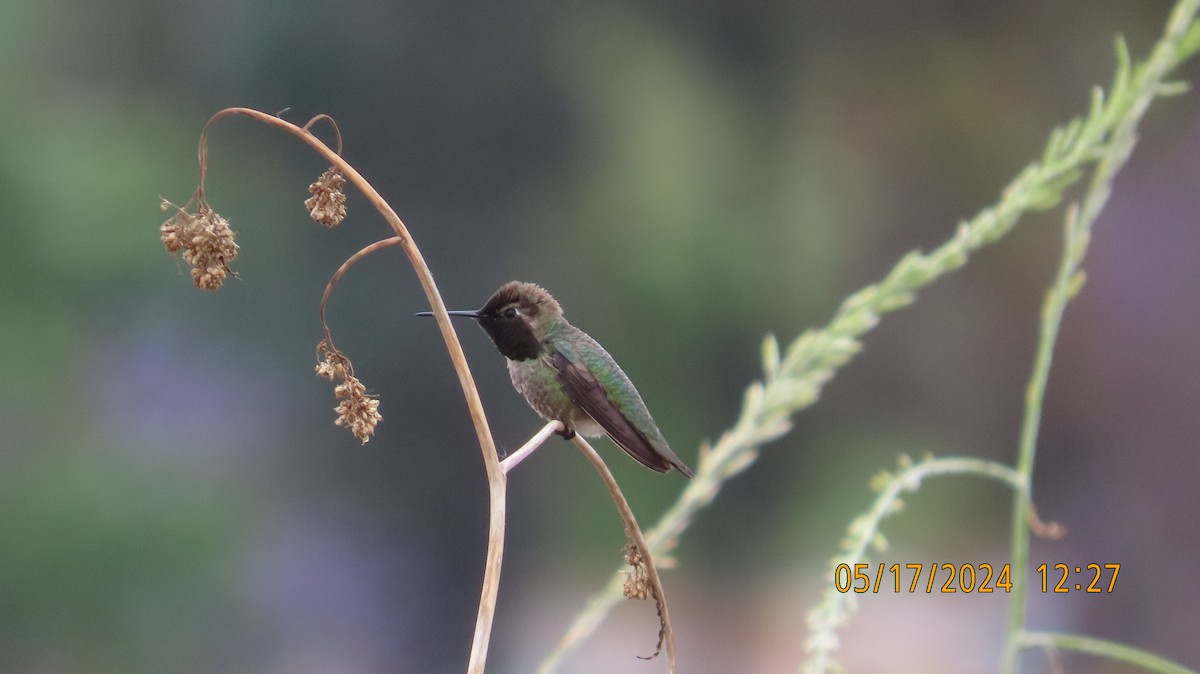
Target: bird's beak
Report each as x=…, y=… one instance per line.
x=469, y=314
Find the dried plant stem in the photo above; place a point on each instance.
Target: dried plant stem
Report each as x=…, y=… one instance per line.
x=634, y=532
x=512, y=460
x=341, y=271
x=497, y=480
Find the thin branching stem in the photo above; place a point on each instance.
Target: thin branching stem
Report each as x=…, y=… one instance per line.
x=515, y=458
x=337, y=131
x=634, y=532
x=1132, y=92
x=1051, y=641
x=341, y=271
x=497, y=481
x=835, y=608
x=794, y=379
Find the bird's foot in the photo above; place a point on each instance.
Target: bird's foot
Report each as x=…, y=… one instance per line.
x=566, y=433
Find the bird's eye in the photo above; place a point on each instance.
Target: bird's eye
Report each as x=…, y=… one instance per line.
x=510, y=312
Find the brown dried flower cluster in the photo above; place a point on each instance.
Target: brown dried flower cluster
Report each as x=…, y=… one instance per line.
x=357, y=410
x=637, y=579
x=206, y=241
x=327, y=205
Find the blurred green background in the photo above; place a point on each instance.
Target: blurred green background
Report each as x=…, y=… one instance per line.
x=685, y=177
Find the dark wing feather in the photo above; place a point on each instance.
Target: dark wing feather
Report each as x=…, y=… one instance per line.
x=585, y=390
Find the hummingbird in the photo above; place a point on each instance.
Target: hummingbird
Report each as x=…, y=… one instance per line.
x=566, y=376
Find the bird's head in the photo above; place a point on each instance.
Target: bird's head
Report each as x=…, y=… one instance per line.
x=517, y=317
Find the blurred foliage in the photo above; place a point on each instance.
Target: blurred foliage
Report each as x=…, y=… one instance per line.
x=684, y=178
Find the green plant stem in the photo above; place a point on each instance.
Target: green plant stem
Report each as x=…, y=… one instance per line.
x=836, y=607
x=1127, y=105
x=1103, y=648
x=794, y=382
x=1052, y=313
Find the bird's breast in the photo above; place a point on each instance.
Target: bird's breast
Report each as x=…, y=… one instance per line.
x=538, y=382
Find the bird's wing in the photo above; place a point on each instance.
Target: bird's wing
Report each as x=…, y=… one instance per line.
x=588, y=392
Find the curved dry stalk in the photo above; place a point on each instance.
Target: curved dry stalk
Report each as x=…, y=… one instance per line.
x=337, y=131
x=512, y=460
x=497, y=481
x=341, y=271
x=634, y=532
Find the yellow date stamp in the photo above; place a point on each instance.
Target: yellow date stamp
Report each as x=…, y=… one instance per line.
x=944, y=578
x=981, y=578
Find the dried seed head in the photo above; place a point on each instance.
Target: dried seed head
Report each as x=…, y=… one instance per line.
x=357, y=410
x=327, y=205
x=327, y=370
x=210, y=251
x=206, y=240
x=169, y=230
x=637, y=579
